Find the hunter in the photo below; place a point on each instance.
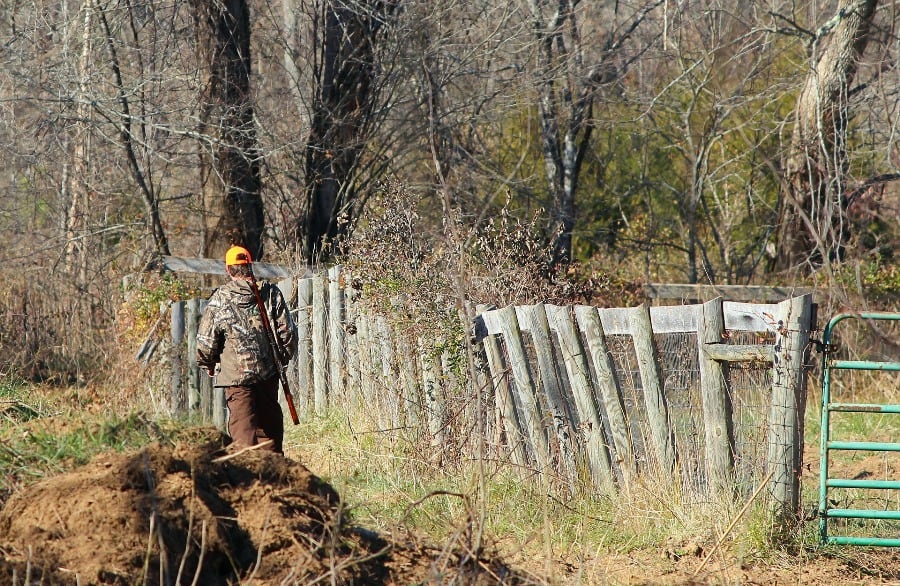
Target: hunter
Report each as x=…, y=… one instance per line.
x=232, y=335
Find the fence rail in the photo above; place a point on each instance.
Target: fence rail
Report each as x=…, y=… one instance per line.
x=709, y=395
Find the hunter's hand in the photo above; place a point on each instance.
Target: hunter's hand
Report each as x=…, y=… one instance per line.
x=211, y=371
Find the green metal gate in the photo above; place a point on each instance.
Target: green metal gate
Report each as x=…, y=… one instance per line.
x=828, y=444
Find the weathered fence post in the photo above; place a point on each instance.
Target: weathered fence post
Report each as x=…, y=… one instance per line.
x=717, y=411
x=177, y=330
x=389, y=390
x=411, y=400
x=481, y=395
x=288, y=288
x=351, y=345
x=219, y=408
x=206, y=382
x=579, y=375
x=515, y=437
x=304, y=346
x=552, y=385
x=319, y=345
x=654, y=399
x=366, y=360
x=431, y=385
x=192, y=320
x=590, y=325
x=336, y=335
x=525, y=388
x=785, y=441
x=217, y=411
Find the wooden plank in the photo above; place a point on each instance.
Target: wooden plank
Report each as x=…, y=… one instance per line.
x=206, y=382
x=785, y=437
x=750, y=317
x=320, y=346
x=304, y=346
x=380, y=400
x=515, y=436
x=219, y=408
x=366, y=359
x=407, y=364
x=615, y=321
x=665, y=320
x=717, y=412
x=525, y=388
x=288, y=288
x=336, y=335
x=191, y=322
x=212, y=266
x=487, y=323
x=351, y=344
x=610, y=392
x=654, y=399
x=578, y=371
x=552, y=386
x=739, y=352
x=434, y=403
x=390, y=392
x=673, y=319
x=726, y=292
x=482, y=404
x=178, y=401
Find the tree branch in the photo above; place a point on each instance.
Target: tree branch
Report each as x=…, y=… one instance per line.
x=871, y=182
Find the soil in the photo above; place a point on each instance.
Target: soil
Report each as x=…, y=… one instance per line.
x=198, y=513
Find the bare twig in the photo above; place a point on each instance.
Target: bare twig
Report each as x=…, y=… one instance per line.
x=734, y=522
x=242, y=451
x=190, y=527
x=202, y=552
x=146, y=568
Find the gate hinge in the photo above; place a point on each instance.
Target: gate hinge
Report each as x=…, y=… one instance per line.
x=823, y=347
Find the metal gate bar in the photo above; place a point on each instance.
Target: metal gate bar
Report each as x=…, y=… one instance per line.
x=827, y=444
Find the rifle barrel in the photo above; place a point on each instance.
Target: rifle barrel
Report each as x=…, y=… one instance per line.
x=276, y=350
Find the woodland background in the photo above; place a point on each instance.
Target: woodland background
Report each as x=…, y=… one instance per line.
x=525, y=150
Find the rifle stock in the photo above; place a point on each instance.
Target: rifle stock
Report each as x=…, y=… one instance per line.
x=276, y=350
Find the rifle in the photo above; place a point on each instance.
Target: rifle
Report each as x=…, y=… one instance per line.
x=276, y=350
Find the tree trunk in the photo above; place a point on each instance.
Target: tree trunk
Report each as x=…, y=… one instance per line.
x=567, y=88
x=75, y=183
x=560, y=180
x=232, y=201
x=342, y=105
x=812, y=225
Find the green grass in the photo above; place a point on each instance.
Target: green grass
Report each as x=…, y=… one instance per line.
x=390, y=483
x=387, y=484
x=41, y=434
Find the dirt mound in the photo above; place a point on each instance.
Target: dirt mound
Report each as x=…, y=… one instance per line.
x=185, y=514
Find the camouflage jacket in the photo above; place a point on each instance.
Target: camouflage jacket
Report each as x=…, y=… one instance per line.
x=231, y=333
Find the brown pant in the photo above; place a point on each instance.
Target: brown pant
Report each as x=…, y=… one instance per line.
x=254, y=414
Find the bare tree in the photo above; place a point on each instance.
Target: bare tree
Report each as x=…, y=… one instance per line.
x=232, y=200
x=126, y=123
x=567, y=88
x=343, y=102
x=718, y=123
x=812, y=226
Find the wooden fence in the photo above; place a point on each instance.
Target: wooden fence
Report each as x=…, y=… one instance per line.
x=575, y=395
